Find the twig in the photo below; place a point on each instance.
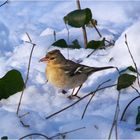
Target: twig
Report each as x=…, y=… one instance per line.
x=110, y=43
x=21, y=116
x=64, y=133
x=54, y=34
x=99, y=32
x=136, y=90
x=34, y=134
x=115, y=120
x=132, y=59
x=68, y=39
x=6, y=2
x=96, y=28
x=25, y=125
x=52, y=137
x=83, y=28
x=52, y=115
x=27, y=76
x=92, y=97
x=90, y=53
x=127, y=107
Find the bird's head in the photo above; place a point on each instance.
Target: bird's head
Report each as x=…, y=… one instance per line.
x=53, y=57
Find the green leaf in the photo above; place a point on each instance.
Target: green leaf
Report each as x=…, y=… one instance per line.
x=96, y=44
x=4, y=138
x=10, y=84
x=131, y=69
x=75, y=44
x=137, y=129
x=60, y=43
x=78, y=18
x=125, y=80
x=138, y=116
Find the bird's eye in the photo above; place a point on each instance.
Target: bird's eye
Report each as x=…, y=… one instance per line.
x=52, y=58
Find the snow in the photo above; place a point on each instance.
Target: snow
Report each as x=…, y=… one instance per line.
x=40, y=99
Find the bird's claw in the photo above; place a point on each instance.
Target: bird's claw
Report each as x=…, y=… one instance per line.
x=73, y=96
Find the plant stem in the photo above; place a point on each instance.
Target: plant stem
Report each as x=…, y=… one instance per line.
x=127, y=107
x=34, y=134
x=83, y=28
x=67, y=107
x=96, y=28
x=132, y=59
x=27, y=76
x=4, y=3
x=92, y=98
x=115, y=120
x=64, y=133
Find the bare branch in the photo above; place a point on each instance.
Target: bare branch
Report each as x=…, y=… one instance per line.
x=96, y=28
x=6, y=2
x=90, y=53
x=128, y=106
x=92, y=97
x=34, y=134
x=27, y=76
x=64, y=133
x=54, y=34
x=30, y=41
x=67, y=107
x=25, y=125
x=115, y=120
x=83, y=28
x=136, y=90
x=21, y=116
x=132, y=59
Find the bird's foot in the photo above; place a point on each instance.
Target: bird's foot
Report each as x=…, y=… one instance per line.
x=74, y=96
x=64, y=91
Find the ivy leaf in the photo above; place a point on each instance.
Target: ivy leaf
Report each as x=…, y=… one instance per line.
x=10, y=84
x=138, y=116
x=75, y=44
x=131, y=69
x=137, y=129
x=60, y=43
x=96, y=44
x=125, y=80
x=78, y=18
x=4, y=138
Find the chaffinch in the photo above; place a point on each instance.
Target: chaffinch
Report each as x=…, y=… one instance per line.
x=66, y=74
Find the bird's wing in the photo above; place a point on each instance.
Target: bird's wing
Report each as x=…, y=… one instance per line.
x=72, y=68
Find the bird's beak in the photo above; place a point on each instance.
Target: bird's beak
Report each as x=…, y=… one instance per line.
x=44, y=59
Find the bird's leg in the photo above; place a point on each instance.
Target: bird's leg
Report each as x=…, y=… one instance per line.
x=75, y=95
x=72, y=91
x=70, y=96
x=77, y=91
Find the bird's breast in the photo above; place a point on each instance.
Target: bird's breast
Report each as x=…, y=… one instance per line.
x=62, y=80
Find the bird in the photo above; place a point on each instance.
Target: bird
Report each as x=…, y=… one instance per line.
x=67, y=74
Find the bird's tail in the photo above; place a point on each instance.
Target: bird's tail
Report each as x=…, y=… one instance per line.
x=95, y=69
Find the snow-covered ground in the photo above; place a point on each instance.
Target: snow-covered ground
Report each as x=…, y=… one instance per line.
x=40, y=19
